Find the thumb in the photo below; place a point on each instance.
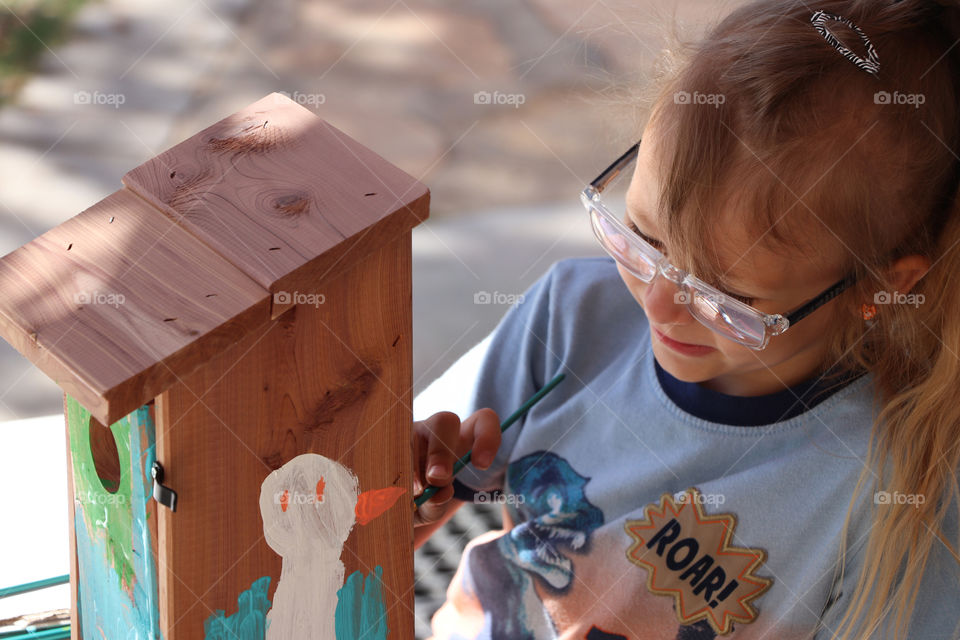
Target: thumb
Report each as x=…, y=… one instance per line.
x=435, y=508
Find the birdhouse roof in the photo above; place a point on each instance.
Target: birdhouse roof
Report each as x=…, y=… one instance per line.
x=203, y=244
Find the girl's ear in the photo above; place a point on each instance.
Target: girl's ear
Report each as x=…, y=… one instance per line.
x=906, y=271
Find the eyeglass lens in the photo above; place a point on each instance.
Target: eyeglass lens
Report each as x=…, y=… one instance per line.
x=723, y=316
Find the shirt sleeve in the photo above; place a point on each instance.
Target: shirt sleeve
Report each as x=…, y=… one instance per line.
x=936, y=613
x=500, y=372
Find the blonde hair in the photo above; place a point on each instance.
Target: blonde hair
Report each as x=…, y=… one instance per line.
x=879, y=181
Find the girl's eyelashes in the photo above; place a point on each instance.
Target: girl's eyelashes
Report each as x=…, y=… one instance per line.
x=655, y=243
x=659, y=247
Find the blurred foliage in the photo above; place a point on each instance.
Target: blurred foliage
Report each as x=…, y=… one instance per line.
x=27, y=29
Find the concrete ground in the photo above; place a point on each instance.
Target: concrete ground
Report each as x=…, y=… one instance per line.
x=504, y=109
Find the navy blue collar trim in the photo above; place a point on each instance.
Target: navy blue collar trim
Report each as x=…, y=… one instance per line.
x=750, y=411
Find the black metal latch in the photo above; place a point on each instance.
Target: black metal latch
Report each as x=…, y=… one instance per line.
x=163, y=495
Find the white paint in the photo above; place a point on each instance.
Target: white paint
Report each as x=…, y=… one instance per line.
x=309, y=536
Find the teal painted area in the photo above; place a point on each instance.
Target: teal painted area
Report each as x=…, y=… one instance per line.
x=117, y=587
x=143, y=439
x=250, y=620
x=361, y=612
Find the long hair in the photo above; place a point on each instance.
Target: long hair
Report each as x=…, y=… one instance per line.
x=824, y=158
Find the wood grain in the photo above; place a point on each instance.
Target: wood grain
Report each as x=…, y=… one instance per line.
x=282, y=194
x=118, y=301
x=333, y=379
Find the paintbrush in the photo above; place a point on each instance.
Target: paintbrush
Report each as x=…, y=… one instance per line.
x=465, y=460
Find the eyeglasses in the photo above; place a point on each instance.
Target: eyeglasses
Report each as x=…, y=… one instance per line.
x=714, y=309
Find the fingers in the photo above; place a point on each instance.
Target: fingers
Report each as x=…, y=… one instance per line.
x=443, y=439
x=480, y=433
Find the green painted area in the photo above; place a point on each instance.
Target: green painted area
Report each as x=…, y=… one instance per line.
x=101, y=509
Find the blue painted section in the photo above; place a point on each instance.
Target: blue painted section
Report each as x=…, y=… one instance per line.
x=115, y=603
x=361, y=612
x=250, y=620
x=143, y=439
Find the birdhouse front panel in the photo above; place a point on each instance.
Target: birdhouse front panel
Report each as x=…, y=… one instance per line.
x=290, y=454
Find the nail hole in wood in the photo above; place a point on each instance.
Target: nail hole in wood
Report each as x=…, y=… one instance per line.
x=372, y=193
x=112, y=219
x=173, y=173
x=274, y=249
x=169, y=319
x=211, y=295
x=69, y=246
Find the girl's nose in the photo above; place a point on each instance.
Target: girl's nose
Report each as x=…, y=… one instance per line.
x=662, y=301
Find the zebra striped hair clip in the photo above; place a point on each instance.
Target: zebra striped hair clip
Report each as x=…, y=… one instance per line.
x=872, y=62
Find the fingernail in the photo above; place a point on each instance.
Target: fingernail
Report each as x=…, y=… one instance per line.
x=437, y=471
x=483, y=461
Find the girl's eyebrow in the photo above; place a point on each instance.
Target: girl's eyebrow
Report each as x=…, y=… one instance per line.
x=658, y=244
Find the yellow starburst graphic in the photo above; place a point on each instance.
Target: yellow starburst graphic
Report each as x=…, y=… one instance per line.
x=688, y=555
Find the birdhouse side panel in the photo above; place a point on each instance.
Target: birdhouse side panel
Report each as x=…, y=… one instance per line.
x=115, y=537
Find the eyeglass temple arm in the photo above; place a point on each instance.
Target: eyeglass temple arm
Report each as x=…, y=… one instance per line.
x=611, y=172
x=811, y=306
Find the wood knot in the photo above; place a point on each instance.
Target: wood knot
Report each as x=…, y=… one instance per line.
x=292, y=205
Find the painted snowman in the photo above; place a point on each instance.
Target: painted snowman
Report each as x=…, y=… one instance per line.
x=308, y=509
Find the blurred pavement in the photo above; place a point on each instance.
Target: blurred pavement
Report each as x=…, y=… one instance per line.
x=503, y=109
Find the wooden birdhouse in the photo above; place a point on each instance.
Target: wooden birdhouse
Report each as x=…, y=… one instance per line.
x=232, y=333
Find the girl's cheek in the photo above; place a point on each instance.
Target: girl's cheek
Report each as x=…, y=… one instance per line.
x=635, y=286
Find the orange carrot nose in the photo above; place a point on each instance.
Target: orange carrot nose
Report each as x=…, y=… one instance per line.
x=372, y=503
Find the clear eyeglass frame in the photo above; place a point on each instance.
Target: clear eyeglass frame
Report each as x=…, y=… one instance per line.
x=714, y=309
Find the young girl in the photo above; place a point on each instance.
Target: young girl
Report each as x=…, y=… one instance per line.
x=758, y=435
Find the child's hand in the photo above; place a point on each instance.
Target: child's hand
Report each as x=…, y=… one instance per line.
x=438, y=442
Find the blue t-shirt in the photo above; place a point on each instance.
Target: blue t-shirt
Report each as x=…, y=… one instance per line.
x=639, y=506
